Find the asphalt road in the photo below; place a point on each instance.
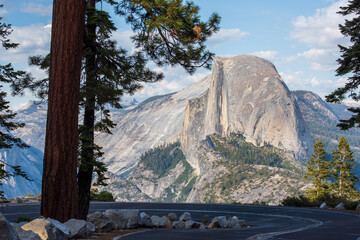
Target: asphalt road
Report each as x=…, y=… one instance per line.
x=266, y=222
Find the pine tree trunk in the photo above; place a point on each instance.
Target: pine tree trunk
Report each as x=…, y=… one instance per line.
x=87, y=142
x=87, y=156
x=59, y=187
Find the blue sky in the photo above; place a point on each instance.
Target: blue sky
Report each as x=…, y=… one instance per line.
x=299, y=37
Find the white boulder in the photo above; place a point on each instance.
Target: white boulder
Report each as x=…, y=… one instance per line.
x=222, y=221
x=189, y=224
x=214, y=223
x=101, y=221
x=60, y=226
x=145, y=220
x=77, y=228
x=132, y=217
x=157, y=221
x=179, y=225
x=116, y=219
x=235, y=223
x=185, y=216
x=323, y=205
x=340, y=206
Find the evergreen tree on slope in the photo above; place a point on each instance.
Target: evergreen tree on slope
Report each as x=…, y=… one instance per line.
x=343, y=164
x=318, y=172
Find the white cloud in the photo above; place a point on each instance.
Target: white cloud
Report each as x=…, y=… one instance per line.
x=292, y=78
x=321, y=66
x=321, y=59
x=270, y=55
x=33, y=40
x=340, y=82
x=321, y=33
x=37, y=9
x=36, y=72
x=287, y=60
x=314, y=82
x=322, y=29
x=226, y=35
x=122, y=37
x=299, y=81
x=313, y=53
x=175, y=79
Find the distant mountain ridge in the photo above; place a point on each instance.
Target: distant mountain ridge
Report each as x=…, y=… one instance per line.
x=321, y=119
x=160, y=120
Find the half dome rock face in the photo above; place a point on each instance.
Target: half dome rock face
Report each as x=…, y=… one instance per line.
x=246, y=95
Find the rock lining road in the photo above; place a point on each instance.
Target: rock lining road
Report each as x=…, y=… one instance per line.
x=267, y=222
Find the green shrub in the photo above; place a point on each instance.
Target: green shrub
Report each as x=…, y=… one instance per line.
x=103, y=196
x=351, y=205
x=298, y=201
x=331, y=201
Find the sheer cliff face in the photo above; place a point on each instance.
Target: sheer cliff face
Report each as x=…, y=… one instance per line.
x=246, y=95
x=149, y=124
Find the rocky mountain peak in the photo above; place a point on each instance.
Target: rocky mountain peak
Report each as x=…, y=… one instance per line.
x=246, y=95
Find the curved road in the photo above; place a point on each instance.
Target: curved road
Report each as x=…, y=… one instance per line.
x=267, y=222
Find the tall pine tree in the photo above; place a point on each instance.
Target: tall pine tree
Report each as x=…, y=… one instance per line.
x=109, y=73
x=9, y=75
x=343, y=164
x=319, y=173
x=349, y=64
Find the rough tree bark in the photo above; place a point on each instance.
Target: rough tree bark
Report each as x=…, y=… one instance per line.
x=59, y=185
